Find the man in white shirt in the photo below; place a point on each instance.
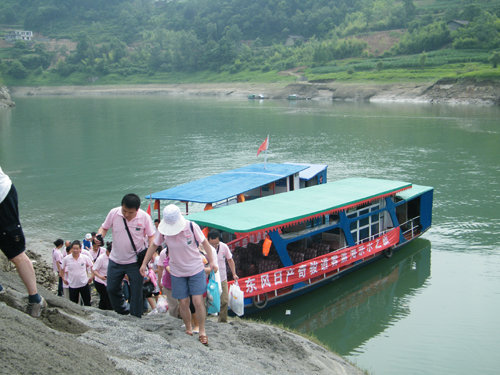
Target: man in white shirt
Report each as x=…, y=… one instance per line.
x=223, y=255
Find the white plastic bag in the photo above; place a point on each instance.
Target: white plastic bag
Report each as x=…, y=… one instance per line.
x=217, y=279
x=162, y=304
x=236, y=299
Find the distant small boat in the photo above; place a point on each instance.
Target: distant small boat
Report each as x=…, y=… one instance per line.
x=257, y=96
x=298, y=97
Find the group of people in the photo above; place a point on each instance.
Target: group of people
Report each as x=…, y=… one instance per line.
x=78, y=265
x=187, y=256
x=173, y=253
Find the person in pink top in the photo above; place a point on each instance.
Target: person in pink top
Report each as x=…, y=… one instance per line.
x=100, y=269
x=76, y=271
x=166, y=283
x=96, y=250
x=223, y=255
x=182, y=238
x=57, y=258
x=132, y=229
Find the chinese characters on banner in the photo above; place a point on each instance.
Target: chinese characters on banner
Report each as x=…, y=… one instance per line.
x=280, y=278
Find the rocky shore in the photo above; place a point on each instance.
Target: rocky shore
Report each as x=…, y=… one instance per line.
x=5, y=99
x=70, y=338
x=442, y=91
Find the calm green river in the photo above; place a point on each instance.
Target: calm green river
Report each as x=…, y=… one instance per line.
x=433, y=308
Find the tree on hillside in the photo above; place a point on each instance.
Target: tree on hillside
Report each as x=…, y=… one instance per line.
x=427, y=38
x=483, y=32
x=495, y=59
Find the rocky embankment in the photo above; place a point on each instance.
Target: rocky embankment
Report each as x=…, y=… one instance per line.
x=442, y=91
x=5, y=99
x=69, y=338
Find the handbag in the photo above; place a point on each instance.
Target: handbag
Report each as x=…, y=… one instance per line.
x=236, y=299
x=141, y=254
x=147, y=289
x=213, y=295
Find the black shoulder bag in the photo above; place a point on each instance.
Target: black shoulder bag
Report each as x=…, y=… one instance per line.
x=141, y=254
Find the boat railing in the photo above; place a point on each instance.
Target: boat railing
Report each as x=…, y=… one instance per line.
x=411, y=228
x=373, y=236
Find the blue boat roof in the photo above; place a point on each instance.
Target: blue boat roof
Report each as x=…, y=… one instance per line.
x=311, y=171
x=228, y=184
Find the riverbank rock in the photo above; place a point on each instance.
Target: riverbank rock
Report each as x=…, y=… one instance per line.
x=5, y=99
x=69, y=338
x=460, y=91
x=443, y=91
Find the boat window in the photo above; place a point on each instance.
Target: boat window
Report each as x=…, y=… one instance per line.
x=250, y=260
x=368, y=227
x=315, y=246
x=364, y=221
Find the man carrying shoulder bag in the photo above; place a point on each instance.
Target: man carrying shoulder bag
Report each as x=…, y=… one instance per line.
x=132, y=228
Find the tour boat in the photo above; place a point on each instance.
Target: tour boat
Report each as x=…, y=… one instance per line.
x=287, y=244
x=241, y=184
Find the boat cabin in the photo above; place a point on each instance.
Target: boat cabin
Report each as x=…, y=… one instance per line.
x=242, y=184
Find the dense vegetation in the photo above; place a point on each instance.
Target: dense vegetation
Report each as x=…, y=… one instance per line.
x=178, y=40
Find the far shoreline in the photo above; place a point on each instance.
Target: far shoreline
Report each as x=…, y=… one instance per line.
x=449, y=92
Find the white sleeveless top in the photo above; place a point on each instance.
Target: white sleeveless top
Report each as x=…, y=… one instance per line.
x=5, y=185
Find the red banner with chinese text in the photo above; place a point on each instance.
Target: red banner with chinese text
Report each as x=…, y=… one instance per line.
x=301, y=272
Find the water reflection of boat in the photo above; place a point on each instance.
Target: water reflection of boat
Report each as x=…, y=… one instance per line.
x=346, y=314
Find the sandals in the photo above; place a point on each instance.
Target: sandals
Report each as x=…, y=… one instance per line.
x=204, y=340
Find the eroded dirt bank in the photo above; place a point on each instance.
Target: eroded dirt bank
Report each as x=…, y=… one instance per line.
x=443, y=91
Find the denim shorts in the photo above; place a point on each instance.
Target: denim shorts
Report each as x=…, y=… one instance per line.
x=183, y=287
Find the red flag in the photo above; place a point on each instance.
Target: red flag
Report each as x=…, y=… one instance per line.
x=263, y=146
x=148, y=211
x=156, y=205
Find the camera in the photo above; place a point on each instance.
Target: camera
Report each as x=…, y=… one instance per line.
x=100, y=239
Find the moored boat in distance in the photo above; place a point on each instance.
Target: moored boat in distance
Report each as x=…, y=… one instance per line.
x=287, y=244
x=257, y=96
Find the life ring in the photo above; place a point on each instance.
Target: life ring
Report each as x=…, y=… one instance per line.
x=388, y=253
x=260, y=304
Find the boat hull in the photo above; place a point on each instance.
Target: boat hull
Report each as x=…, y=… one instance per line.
x=253, y=305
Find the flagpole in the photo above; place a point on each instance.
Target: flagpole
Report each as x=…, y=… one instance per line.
x=152, y=208
x=265, y=153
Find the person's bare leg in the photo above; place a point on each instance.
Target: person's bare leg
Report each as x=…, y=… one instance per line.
x=200, y=313
x=152, y=302
x=186, y=314
x=26, y=272
x=194, y=321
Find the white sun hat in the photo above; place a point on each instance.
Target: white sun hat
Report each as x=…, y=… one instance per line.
x=173, y=221
x=88, y=236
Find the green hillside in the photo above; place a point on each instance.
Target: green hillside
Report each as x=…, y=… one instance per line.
x=170, y=41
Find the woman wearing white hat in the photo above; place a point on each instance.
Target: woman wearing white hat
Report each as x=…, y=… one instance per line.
x=186, y=267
